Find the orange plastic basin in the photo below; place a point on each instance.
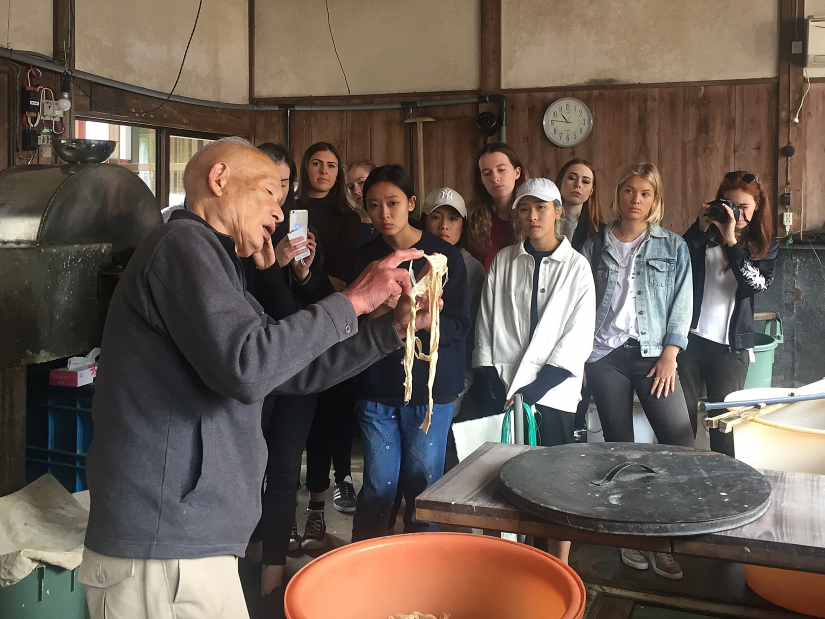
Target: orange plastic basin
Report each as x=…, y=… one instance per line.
x=467, y=576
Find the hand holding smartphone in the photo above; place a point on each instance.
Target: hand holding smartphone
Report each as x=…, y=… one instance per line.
x=298, y=227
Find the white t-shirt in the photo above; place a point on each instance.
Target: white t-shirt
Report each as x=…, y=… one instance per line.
x=570, y=221
x=621, y=323
x=718, y=298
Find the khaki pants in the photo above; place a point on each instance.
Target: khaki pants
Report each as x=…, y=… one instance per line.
x=206, y=588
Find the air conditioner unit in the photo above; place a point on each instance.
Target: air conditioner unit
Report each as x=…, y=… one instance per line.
x=816, y=42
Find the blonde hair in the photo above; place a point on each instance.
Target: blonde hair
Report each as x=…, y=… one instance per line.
x=651, y=174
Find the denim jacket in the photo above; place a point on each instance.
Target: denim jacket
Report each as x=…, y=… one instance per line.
x=664, y=287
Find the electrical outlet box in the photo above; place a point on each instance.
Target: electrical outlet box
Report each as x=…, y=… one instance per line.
x=796, y=47
x=787, y=219
x=46, y=150
x=786, y=199
x=815, y=56
x=50, y=111
x=43, y=138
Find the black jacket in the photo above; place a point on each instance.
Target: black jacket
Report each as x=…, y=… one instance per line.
x=278, y=290
x=751, y=275
x=581, y=234
x=384, y=381
x=337, y=231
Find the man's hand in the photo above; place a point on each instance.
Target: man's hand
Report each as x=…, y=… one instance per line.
x=423, y=318
x=381, y=280
x=266, y=257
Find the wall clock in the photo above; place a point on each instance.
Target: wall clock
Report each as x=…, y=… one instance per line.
x=567, y=122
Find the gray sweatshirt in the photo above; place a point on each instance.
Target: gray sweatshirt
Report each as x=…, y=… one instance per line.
x=178, y=457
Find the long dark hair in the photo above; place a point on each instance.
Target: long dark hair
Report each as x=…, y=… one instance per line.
x=278, y=153
x=481, y=208
x=592, y=208
x=338, y=193
x=757, y=236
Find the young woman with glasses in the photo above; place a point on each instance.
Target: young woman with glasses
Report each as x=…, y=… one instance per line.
x=732, y=261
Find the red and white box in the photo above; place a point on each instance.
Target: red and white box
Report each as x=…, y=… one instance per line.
x=80, y=371
x=64, y=377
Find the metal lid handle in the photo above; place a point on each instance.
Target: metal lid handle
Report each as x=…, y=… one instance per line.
x=611, y=474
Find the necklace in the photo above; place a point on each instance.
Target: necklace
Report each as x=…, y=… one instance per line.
x=625, y=238
x=634, y=246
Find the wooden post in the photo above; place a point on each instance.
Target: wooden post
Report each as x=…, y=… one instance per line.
x=490, y=78
x=419, y=158
x=790, y=95
x=12, y=429
x=251, y=16
x=63, y=50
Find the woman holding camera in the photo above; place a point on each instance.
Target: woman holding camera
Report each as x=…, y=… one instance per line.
x=733, y=253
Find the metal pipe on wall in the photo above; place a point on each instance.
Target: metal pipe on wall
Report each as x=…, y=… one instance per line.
x=44, y=63
x=288, y=128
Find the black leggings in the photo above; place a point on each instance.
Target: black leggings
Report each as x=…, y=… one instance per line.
x=330, y=438
x=721, y=371
x=615, y=377
x=286, y=421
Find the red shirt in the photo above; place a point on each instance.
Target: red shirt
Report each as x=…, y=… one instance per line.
x=501, y=236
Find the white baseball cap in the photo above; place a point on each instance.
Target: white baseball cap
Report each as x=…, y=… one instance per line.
x=540, y=188
x=444, y=197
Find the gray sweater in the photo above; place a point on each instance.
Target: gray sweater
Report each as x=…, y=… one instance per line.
x=178, y=457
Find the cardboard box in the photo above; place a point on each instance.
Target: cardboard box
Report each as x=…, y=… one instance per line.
x=65, y=377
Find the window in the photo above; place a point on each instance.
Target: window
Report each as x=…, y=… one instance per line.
x=136, y=147
x=181, y=150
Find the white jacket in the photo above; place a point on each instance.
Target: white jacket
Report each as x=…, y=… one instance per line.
x=564, y=333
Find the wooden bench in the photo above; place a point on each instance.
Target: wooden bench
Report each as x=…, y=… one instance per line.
x=791, y=534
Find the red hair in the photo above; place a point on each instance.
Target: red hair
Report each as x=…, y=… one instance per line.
x=757, y=236
x=592, y=208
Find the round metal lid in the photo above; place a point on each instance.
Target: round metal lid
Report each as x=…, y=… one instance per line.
x=636, y=488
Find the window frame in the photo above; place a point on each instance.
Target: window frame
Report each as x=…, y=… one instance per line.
x=163, y=137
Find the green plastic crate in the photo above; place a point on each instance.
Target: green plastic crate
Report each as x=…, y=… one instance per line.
x=47, y=593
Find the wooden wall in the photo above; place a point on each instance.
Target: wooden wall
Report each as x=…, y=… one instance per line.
x=694, y=132
x=450, y=142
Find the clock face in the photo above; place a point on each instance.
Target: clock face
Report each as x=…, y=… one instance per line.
x=567, y=122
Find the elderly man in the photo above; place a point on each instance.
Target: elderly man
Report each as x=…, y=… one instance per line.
x=178, y=456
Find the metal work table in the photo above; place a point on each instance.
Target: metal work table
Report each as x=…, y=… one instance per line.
x=790, y=535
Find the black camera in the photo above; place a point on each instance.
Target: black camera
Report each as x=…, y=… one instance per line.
x=716, y=210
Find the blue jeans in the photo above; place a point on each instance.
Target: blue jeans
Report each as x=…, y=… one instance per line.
x=398, y=455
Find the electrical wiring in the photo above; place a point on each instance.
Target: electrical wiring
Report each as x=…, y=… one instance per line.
x=804, y=94
x=37, y=73
x=182, y=62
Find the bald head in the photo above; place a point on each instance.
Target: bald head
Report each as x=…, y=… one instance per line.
x=236, y=189
x=236, y=153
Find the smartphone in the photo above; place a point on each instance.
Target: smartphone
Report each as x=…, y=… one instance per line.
x=299, y=222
